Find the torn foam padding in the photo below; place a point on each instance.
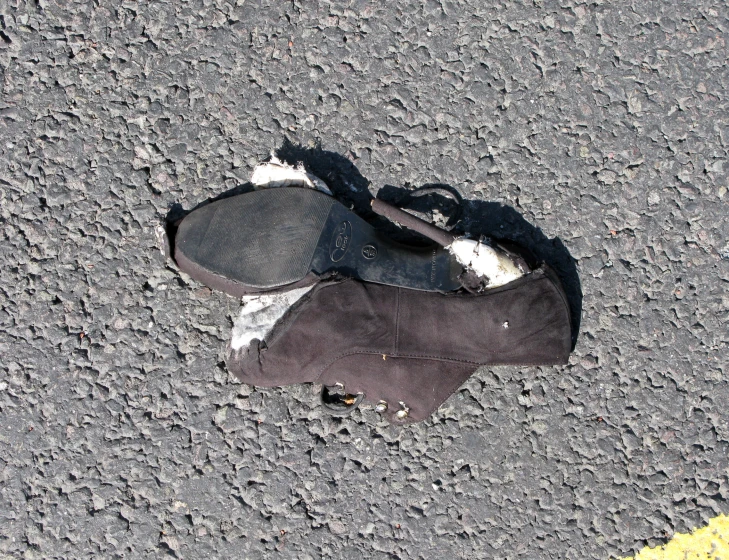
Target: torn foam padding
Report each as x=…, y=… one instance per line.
x=276, y=173
x=485, y=261
x=259, y=314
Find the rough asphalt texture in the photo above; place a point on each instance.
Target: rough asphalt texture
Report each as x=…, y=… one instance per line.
x=602, y=129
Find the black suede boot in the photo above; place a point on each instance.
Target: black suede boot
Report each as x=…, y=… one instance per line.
x=407, y=350
x=378, y=321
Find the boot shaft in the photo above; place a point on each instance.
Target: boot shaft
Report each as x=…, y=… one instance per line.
x=407, y=346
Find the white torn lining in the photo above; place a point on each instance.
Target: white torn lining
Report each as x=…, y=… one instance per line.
x=277, y=173
x=485, y=261
x=260, y=313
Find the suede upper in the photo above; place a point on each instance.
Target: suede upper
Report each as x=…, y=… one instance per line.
x=401, y=345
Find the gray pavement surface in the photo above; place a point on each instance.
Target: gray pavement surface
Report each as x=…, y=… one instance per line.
x=596, y=132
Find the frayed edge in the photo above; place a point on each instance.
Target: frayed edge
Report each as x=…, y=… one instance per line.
x=259, y=314
x=487, y=262
x=277, y=173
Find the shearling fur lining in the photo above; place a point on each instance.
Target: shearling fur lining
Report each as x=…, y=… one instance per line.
x=277, y=173
x=260, y=313
x=487, y=262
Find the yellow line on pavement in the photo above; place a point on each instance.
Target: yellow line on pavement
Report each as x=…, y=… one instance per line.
x=708, y=543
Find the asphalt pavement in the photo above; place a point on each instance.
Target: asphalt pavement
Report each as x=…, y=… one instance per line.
x=596, y=133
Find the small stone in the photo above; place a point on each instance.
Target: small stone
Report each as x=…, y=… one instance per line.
x=126, y=512
x=337, y=528
x=589, y=362
x=634, y=104
x=99, y=503
x=171, y=542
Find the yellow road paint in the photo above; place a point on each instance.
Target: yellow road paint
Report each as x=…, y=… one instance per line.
x=708, y=543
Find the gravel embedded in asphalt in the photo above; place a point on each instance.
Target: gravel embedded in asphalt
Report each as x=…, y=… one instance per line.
x=597, y=134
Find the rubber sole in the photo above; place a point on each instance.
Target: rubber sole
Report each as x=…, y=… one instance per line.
x=274, y=237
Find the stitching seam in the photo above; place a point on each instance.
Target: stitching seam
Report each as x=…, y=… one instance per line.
x=425, y=357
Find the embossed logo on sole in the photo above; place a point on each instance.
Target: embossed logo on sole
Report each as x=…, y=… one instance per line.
x=341, y=240
x=369, y=251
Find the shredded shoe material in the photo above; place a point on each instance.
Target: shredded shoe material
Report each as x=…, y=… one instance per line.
x=259, y=314
x=485, y=261
x=276, y=173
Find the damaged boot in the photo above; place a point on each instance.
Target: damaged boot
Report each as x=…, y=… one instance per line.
x=406, y=350
x=329, y=299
